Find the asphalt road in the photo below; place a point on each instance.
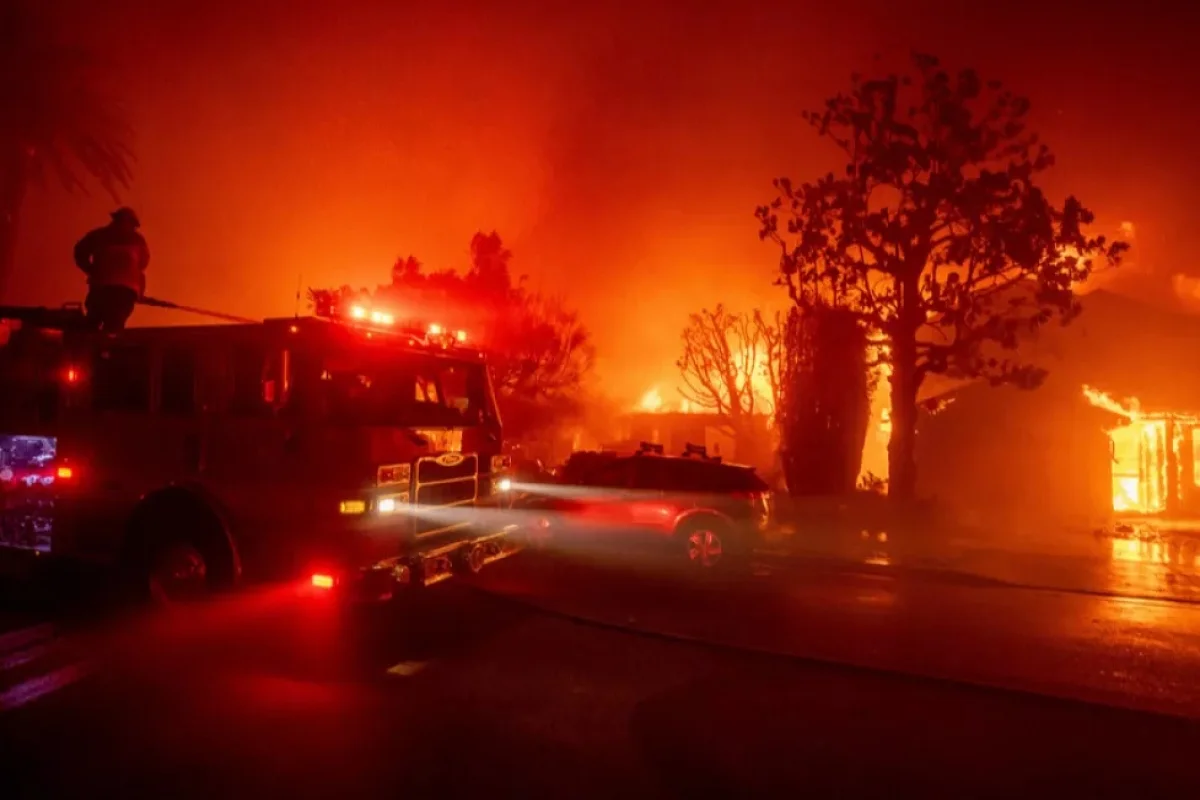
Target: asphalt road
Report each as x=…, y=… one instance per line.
x=500, y=688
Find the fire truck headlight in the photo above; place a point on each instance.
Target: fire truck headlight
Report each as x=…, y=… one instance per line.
x=504, y=485
x=390, y=505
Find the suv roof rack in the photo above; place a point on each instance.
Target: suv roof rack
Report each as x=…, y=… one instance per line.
x=699, y=451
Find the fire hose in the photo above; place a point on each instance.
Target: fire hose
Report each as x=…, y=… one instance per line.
x=156, y=303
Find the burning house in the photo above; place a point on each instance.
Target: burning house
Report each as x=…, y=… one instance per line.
x=1113, y=432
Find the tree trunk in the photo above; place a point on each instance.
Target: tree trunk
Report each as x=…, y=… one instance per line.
x=13, y=183
x=902, y=461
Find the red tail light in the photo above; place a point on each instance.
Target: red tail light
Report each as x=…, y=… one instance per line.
x=64, y=473
x=322, y=581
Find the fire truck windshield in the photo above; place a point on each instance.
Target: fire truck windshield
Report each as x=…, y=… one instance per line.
x=383, y=387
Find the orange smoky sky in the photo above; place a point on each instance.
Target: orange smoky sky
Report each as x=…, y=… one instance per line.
x=619, y=148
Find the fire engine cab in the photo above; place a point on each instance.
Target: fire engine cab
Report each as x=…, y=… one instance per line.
x=347, y=450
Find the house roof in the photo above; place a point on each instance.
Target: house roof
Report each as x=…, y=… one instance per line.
x=1118, y=345
x=1128, y=348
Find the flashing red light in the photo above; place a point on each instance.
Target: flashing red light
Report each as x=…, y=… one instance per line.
x=382, y=318
x=322, y=581
x=460, y=336
x=294, y=329
x=64, y=473
x=358, y=312
x=72, y=375
x=435, y=330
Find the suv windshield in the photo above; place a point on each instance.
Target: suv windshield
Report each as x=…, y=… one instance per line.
x=386, y=387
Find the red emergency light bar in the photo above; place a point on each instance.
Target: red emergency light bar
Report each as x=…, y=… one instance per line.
x=373, y=319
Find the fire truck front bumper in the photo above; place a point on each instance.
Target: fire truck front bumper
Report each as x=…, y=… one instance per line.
x=373, y=564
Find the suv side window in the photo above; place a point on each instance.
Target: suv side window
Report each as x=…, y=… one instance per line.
x=648, y=472
x=121, y=379
x=177, y=384
x=694, y=477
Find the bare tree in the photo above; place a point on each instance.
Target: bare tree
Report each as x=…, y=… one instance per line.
x=730, y=365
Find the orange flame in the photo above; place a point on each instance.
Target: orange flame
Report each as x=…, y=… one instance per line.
x=1147, y=450
x=1131, y=409
x=651, y=402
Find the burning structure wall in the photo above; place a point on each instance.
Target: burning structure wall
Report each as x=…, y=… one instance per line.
x=1005, y=458
x=1112, y=433
x=1154, y=470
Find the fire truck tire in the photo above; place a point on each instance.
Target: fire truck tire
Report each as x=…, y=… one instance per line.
x=177, y=549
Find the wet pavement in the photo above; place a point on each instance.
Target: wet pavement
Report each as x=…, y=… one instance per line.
x=595, y=675
x=1132, y=652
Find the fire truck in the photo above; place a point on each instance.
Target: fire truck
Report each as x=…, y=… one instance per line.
x=356, y=453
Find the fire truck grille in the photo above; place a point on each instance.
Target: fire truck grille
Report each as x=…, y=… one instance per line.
x=444, y=484
x=430, y=471
x=444, y=494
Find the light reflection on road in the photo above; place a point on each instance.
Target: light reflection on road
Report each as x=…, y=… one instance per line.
x=1177, y=551
x=1155, y=565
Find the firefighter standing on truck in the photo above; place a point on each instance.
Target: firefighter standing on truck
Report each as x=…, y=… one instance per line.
x=114, y=258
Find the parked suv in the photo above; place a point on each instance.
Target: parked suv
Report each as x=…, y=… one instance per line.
x=710, y=513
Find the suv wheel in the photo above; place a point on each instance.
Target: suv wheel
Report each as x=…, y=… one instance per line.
x=705, y=547
x=709, y=546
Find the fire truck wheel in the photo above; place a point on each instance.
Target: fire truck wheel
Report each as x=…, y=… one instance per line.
x=178, y=572
x=177, y=551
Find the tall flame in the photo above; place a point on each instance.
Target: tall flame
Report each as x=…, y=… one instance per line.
x=875, y=456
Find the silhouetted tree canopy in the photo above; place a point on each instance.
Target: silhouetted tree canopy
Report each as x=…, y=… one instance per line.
x=935, y=235
x=55, y=123
x=539, y=352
